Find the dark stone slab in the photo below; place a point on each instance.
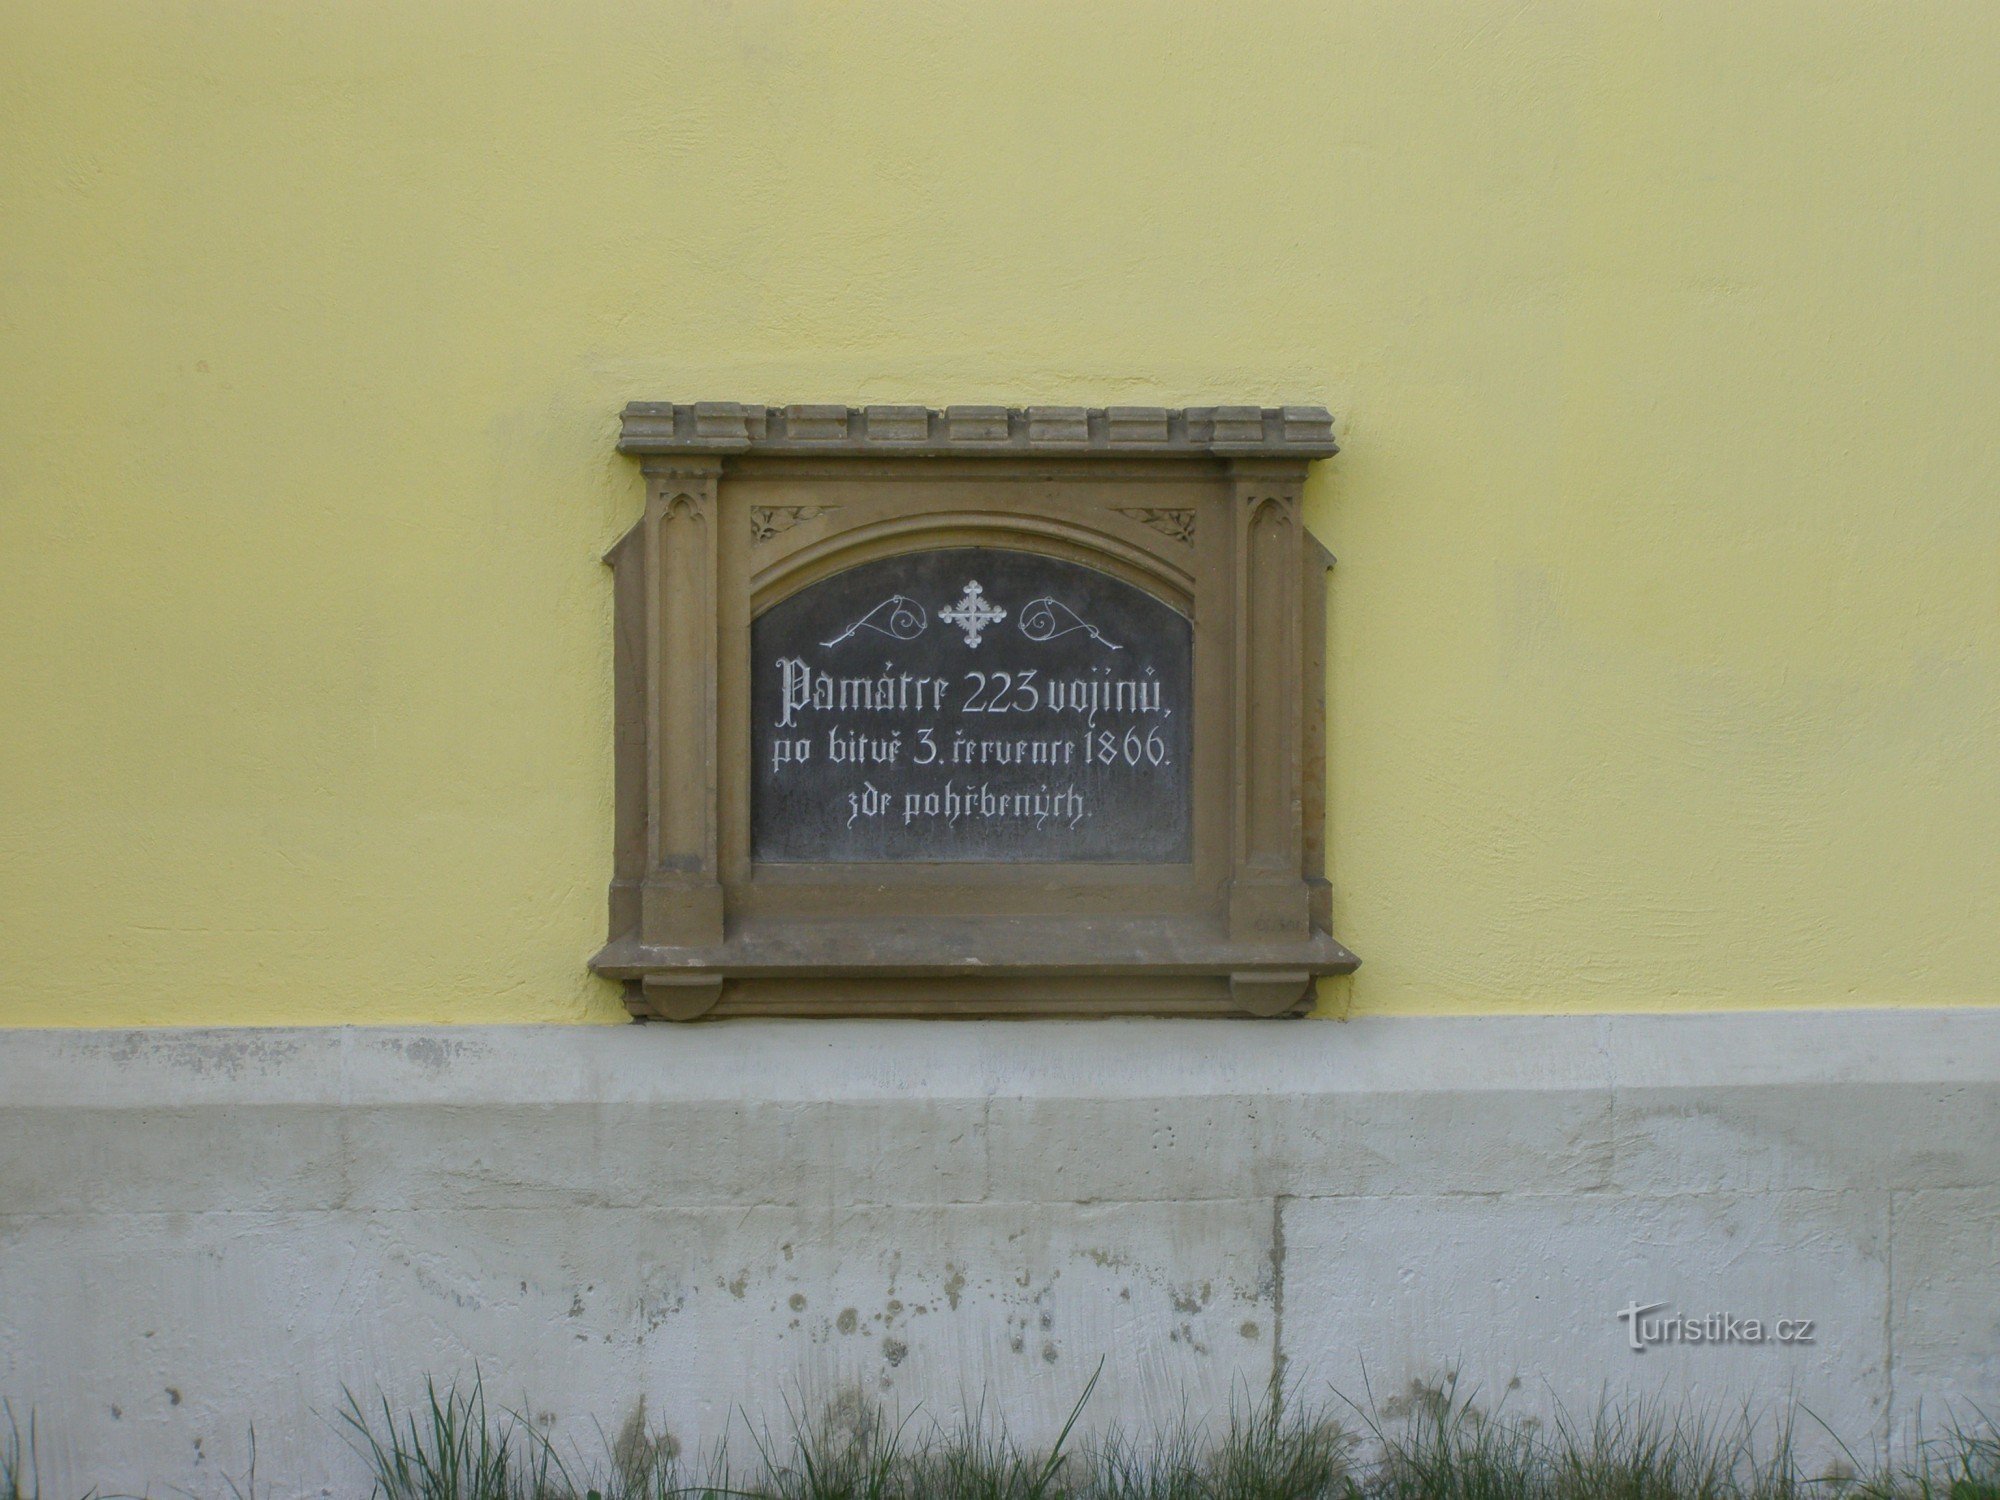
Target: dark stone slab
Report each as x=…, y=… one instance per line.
x=971, y=704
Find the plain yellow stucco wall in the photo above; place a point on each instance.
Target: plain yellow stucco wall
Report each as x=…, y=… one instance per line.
x=1664, y=341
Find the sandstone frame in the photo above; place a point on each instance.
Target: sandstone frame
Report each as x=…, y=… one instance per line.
x=745, y=505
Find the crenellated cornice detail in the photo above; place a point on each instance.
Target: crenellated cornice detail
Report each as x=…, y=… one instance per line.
x=731, y=427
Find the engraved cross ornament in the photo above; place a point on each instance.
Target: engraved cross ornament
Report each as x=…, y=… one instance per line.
x=973, y=613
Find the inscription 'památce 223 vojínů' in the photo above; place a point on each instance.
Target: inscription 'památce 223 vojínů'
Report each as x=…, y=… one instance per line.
x=969, y=704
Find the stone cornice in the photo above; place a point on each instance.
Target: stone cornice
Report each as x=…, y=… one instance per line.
x=725, y=427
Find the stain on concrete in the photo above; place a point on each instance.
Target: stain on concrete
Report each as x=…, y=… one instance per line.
x=848, y=1321
x=954, y=1283
x=850, y=1421
x=422, y=1267
x=657, y=1312
x=638, y=1453
x=1278, y=1357
x=895, y=1351
x=229, y=1057
x=797, y=1302
x=432, y=1053
x=1434, y=1398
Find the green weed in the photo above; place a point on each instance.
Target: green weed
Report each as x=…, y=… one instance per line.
x=1434, y=1441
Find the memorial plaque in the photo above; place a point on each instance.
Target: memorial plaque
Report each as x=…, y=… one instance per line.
x=971, y=704
x=970, y=711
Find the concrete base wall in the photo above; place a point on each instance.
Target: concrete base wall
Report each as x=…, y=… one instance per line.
x=199, y=1229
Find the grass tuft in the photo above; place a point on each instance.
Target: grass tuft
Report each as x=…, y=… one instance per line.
x=19, y=1466
x=454, y=1449
x=1435, y=1441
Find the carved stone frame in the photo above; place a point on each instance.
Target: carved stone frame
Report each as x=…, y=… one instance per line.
x=747, y=504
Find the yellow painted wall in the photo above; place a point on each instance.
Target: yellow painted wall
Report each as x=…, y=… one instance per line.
x=1664, y=340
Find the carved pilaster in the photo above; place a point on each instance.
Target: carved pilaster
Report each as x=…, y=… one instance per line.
x=1312, y=694
x=1268, y=897
x=681, y=904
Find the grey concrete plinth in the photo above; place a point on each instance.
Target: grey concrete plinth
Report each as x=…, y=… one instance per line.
x=202, y=1230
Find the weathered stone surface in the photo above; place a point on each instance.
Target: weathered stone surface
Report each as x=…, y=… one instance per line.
x=705, y=1153
x=201, y=1229
x=1380, y=1293
x=142, y=1160
x=192, y=1324
x=1306, y=1143
x=146, y=1344
x=1944, y=1311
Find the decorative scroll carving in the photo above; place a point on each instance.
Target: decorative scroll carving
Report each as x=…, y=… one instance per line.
x=1047, y=618
x=766, y=521
x=897, y=617
x=1178, y=524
